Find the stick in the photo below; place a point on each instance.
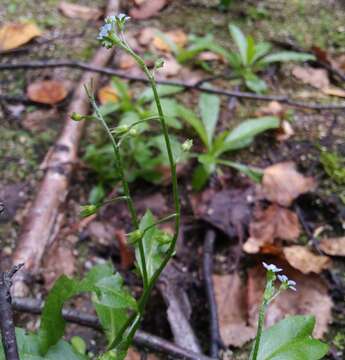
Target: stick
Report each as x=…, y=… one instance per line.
x=8, y=334
x=44, y=219
x=230, y=93
x=141, y=338
x=208, y=270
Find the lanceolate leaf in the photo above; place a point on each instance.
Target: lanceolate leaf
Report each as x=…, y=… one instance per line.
x=291, y=338
x=240, y=41
x=287, y=56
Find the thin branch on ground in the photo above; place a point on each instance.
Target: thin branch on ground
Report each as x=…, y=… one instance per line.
x=141, y=338
x=216, y=341
x=8, y=334
x=230, y=93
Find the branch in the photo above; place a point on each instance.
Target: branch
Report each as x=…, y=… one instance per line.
x=8, y=334
x=216, y=340
x=141, y=338
x=230, y=93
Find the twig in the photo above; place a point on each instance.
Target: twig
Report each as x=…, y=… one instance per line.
x=208, y=270
x=8, y=334
x=230, y=93
x=20, y=99
x=141, y=338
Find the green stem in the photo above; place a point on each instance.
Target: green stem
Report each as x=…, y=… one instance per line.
x=259, y=332
x=130, y=204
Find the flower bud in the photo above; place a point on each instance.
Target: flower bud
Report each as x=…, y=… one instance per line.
x=187, y=145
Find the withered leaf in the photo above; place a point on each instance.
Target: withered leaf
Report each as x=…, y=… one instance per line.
x=302, y=259
x=178, y=37
x=333, y=246
x=13, y=35
x=318, y=78
x=47, y=91
x=76, y=11
x=108, y=94
x=147, y=9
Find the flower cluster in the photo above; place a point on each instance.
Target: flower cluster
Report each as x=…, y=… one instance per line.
x=108, y=34
x=285, y=282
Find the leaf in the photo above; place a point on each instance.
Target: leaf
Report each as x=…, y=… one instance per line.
x=107, y=95
x=318, y=78
x=250, y=49
x=147, y=9
x=13, y=35
x=287, y=56
x=62, y=351
x=170, y=41
x=47, y=92
x=253, y=173
x=291, y=338
x=255, y=84
x=261, y=49
x=200, y=177
x=209, y=106
x=243, y=134
x=170, y=110
x=163, y=90
x=302, y=259
x=75, y=11
x=333, y=246
x=241, y=42
x=282, y=183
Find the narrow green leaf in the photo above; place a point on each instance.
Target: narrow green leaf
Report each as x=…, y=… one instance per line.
x=200, y=177
x=254, y=174
x=250, y=49
x=261, y=49
x=255, y=84
x=209, y=106
x=171, y=112
x=287, y=56
x=163, y=90
x=241, y=42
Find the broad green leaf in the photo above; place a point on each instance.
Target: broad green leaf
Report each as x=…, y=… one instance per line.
x=261, y=49
x=243, y=134
x=253, y=173
x=63, y=351
x=250, y=49
x=241, y=42
x=131, y=117
x=163, y=90
x=109, y=108
x=78, y=344
x=291, y=338
x=209, y=106
x=255, y=84
x=97, y=194
x=287, y=56
x=190, y=118
x=170, y=110
x=159, y=143
x=234, y=60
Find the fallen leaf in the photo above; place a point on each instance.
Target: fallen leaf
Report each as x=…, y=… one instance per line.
x=47, y=91
x=147, y=9
x=126, y=254
x=285, y=131
x=302, y=259
x=135, y=355
x=178, y=37
x=107, y=94
x=75, y=11
x=272, y=108
x=320, y=54
x=282, y=183
x=317, y=78
x=170, y=68
x=126, y=61
x=334, y=91
x=333, y=246
x=209, y=56
x=232, y=310
x=13, y=35
x=275, y=222
x=311, y=297
x=146, y=35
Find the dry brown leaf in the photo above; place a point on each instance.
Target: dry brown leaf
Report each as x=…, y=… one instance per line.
x=275, y=222
x=170, y=68
x=302, y=259
x=47, y=91
x=147, y=9
x=134, y=355
x=209, y=56
x=318, y=78
x=146, y=35
x=107, y=94
x=232, y=310
x=178, y=37
x=126, y=254
x=75, y=11
x=311, y=297
x=334, y=91
x=126, y=61
x=333, y=246
x=13, y=35
x=282, y=183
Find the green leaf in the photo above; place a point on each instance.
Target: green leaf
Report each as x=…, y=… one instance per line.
x=170, y=110
x=241, y=42
x=290, y=339
x=243, y=134
x=191, y=119
x=163, y=90
x=287, y=56
x=63, y=351
x=261, y=49
x=78, y=344
x=250, y=49
x=109, y=108
x=97, y=194
x=209, y=106
x=253, y=173
x=131, y=117
x=255, y=84
x=200, y=177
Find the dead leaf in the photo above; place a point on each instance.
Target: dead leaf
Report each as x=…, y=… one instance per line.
x=302, y=259
x=272, y=108
x=178, y=37
x=108, y=94
x=232, y=310
x=282, y=183
x=275, y=222
x=146, y=35
x=333, y=246
x=75, y=11
x=13, y=35
x=47, y=91
x=134, y=355
x=170, y=68
x=311, y=297
x=147, y=9
x=334, y=91
x=126, y=254
x=285, y=131
x=318, y=78
x=126, y=61
x=209, y=56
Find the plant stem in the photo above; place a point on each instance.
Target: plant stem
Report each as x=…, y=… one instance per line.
x=259, y=332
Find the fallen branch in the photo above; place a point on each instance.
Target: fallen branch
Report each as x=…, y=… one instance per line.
x=8, y=334
x=46, y=214
x=230, y=93
x=208, y=270
x=141, y=338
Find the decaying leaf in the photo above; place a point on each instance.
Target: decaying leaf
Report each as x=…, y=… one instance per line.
x=107, y=94
x=170, y=68
x=318, y=78
x=209, y=56
x=126, y=254
x=333, y=246
x=178, y=37
x=47, y=91
x=126, y=61
x=76, y=11
x=13, y=35
x=311, y=297
x=232, y=310
x=302, y=259
x=282, y=183
x=275, y=222
x=147, y=9
x=334, y=91
x=135, y=355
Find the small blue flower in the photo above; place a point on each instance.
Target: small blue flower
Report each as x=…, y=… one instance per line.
x=290, y=284
x=271, y=267
x=283, y=278
x=123, y=18
x=104, y=31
